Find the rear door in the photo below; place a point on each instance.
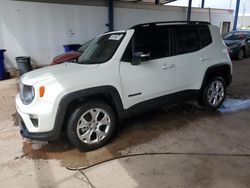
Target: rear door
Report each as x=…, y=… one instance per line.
x=191, y=57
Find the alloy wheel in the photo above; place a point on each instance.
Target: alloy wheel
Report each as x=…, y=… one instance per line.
x=93, y=126
x=215, y=93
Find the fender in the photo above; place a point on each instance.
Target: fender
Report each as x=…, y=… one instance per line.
x=82, y=95
x=222, y=69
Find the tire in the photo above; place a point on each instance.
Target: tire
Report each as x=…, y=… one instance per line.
x=91, y=125
x=241, y=54
x=214, y=94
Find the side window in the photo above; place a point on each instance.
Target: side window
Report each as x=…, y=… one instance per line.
x=142, y=41
x=205, y=35
x=155, y=41
x=187, y=39
x=160, y=44
x=127, y=55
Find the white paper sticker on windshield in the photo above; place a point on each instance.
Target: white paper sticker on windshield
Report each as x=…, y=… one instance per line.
x=115, y=37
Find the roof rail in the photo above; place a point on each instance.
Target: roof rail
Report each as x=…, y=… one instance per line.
x=154, y=24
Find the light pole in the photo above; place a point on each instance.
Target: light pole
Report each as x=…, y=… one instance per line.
x=236, y=14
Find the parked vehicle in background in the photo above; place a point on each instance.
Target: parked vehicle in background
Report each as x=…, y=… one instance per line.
x=71, y=56
x=121, y=74
x=238, y=43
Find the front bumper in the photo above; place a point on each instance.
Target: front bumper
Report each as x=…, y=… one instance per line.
x=44, y=112
x=45, y=136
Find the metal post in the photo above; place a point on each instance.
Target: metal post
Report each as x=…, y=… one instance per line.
x=111, y=15
x=189, y=10
x=202, y=3
x=236, y=14
x=157, y=2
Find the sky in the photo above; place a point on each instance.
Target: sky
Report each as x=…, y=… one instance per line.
x=223, y=4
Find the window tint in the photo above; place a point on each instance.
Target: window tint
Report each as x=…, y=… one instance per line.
x=127, y=55
x=187, y=39
x=155, y=41
x=141, y=41
x=166, y=41
x=205, y=36
x=160, y=44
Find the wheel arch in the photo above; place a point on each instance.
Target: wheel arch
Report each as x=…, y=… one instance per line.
x=223, y=70
x=69, y=102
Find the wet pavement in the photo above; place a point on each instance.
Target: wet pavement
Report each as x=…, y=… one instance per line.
x=132, y=132
x=182, y=128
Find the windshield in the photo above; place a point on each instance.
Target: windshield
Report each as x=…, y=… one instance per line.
x=235, y=36
x=84, y=46
x=101, y=49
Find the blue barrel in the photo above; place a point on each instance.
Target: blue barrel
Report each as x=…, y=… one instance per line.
x=71, y=47
x=2, y=69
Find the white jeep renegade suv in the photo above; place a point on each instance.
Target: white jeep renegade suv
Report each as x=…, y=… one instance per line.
x=123, y=73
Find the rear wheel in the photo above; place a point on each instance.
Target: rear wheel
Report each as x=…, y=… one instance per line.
x=91, y=125
x=214, y=93
x=240, y=54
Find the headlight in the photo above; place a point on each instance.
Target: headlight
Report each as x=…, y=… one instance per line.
x=233, y=46
x=27, y=93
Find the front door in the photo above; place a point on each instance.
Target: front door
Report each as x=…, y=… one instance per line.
x=152, y=78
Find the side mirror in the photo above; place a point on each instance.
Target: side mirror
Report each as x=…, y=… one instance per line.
x=248, y=39
x=138, y=57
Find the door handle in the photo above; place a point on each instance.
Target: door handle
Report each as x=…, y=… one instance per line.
x=164, y=67
x=205, y=58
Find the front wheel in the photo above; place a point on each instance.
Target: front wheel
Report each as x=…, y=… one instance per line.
x=214, y=93
x=91, y=125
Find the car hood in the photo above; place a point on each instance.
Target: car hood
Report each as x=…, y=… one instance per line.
x=55, y=72
x=231, y=42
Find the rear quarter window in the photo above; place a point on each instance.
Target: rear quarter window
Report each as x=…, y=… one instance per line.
x=187, y=39
x=205, y=36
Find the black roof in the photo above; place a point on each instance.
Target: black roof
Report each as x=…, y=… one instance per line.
x=155, y=24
